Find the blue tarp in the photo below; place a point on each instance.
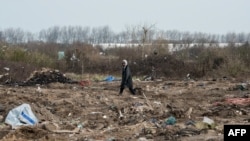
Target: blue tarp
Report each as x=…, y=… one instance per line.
x=109, y=78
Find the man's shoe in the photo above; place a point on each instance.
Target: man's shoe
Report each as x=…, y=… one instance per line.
x=134, y=91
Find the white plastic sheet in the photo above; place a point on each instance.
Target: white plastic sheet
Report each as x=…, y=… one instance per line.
x=21, y=115
x=208, y=120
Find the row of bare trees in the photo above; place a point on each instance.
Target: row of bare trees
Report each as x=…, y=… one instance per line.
x=132, y=34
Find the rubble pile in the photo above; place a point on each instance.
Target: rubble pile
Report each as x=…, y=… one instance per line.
x=45, y=76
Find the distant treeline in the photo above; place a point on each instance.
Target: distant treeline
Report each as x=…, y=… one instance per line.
x=132, y=34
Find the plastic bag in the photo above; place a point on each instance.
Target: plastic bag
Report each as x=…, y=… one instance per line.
x=21, y=115
x=109, y=78
x=208, y=120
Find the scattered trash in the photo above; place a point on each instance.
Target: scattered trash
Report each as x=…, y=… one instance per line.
x=157, y=102
x=188, y=132
x=147, y=78
x=120, y=114
x=207, y=123
x=95, y=113
x=61, y=55
x=188, y=76
x=80, y=126
x=21, y=115
x=235, y=101
x=242, y=86
x=74, y=58
x=201, y=125
x=111, y=139
x=142, y=139
x=136, y=104
x=113, y=107
x=151, y=76
x=109, y=78
x=201, y=84
x=84, y=83
x=39, y=90
x=190, y=122
x=153, y=120
x=148, y=102
x=3, y=75
x=208, y=120
x=7, y=69
x=188, y=112
x=170, y=121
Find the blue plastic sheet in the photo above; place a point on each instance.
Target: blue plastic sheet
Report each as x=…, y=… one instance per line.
x=109, y=78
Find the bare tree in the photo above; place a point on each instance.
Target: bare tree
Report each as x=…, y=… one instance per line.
x=14, y=35
x=200, y=38
x=107, y=34
x=248, y=38
x=42, y=35
x=231, y=38
x=145, y=29
x=133, y=33
x=84, y=34
x=94, y=36
x=120, y=37
x=173, y=35
x=187, y=38
x=241, y=38
x=29, y=37
x=1, y=36
x=53, y=34
x=64, y=35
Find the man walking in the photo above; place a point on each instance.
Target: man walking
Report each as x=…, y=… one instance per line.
x=126, y=78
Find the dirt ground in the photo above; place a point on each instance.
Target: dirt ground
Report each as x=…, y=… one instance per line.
x=181, y=110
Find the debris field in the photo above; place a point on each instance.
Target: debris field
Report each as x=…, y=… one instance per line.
x=174, y=110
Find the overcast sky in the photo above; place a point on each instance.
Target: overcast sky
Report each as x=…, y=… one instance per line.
x=209, y=16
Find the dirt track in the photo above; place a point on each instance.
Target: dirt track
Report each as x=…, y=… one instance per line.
x=95, y=111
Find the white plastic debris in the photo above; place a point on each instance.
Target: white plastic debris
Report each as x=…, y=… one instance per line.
x=69, y=114
x=39, y=90
x=208, y=120
x=7, y=69
x=21, y=115
x=188, y=76
x=120, y=114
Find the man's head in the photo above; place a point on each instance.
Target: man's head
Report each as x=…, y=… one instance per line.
x=124, y=63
